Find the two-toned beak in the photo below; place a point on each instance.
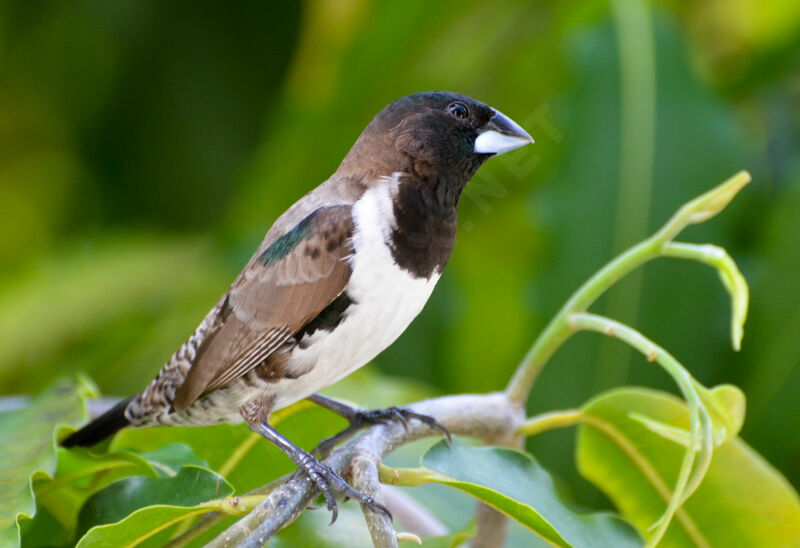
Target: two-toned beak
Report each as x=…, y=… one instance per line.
x=500, y=134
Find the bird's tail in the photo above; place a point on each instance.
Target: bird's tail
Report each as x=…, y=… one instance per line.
x=100, y=428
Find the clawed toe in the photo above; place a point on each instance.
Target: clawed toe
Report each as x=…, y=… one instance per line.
x=359, y=419
x=320, y=474
x=401, y=415
x=327, y=480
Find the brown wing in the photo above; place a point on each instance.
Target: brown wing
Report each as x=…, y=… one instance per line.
x=282, y=288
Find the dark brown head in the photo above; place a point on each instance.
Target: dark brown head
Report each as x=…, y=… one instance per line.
x=438, y=138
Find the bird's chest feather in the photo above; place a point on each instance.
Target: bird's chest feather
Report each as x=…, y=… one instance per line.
x=384, y=299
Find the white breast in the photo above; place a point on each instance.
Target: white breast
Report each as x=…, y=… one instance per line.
x=387, y=298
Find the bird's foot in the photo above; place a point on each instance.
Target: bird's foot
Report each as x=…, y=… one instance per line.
x=400, y=414
x=322, y=475
x=328, y=481
x=359, y=419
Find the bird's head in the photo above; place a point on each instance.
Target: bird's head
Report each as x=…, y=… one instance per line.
x=438, y=138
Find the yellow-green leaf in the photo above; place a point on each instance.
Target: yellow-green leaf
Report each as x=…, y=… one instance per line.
x=743, y=500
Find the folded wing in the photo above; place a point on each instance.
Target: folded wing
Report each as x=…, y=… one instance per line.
x=282, y=289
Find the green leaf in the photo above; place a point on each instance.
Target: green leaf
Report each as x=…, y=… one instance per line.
x=79, y=473
x=139, y=507
x=515, y=484
x=44, y=531
x=29, y=447
x=743, y=501
x=145, y=524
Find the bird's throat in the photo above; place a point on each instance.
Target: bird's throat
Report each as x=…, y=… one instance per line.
x=425, y=229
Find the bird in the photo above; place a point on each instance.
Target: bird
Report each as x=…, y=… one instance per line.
x=336, y=280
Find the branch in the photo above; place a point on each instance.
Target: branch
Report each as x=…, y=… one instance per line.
x=213, y=518
x=492, y=527
x=364, y=470
x=492, y=418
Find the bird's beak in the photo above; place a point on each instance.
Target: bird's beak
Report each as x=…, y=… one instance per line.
x=500, y=134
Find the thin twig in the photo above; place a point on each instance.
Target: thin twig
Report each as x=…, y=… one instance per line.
x=491, y=418
x=364, y=472
x=213, y=518
x=558, y=330
x=689, y=478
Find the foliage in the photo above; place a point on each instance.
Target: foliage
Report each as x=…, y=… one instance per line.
x=675, y=470
x=29, y=449
x=174, y=151
x=141, y=497
x=145, y=148
x=154, y=152
x=743, y=500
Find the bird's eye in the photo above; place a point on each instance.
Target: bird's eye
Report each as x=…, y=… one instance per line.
x=459, y=110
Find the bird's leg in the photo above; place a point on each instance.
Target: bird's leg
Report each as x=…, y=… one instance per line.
x=359, y=418
x=321, y=474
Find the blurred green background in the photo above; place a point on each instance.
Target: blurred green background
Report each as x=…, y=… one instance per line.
x=146, y=147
